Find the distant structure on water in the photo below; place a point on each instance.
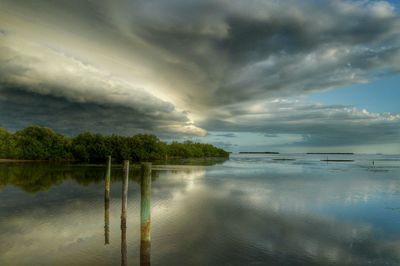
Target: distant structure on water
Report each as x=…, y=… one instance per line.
x=332, y=153
x=258, y=152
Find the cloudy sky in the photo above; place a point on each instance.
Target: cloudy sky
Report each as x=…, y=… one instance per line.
x=260, y=75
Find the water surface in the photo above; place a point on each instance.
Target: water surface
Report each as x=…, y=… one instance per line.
x=249, y=210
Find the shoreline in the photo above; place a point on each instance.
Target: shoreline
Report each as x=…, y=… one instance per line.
x=21, y=161
x=85, y=163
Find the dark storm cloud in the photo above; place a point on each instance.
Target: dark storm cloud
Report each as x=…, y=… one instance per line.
x=269, y=48
x=72, y=96
x=180, y=64
x=242, y=51
x=20, y=107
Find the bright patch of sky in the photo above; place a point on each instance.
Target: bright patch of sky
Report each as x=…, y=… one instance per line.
x=378, y=96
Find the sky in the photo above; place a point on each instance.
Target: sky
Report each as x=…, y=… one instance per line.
x=257, y=75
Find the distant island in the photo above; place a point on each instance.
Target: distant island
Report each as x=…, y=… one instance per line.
x=258, y=152
x=327, y=160
x=332, y=153
x=43, y=144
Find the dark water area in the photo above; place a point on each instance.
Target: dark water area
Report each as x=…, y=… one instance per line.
x=286, y=209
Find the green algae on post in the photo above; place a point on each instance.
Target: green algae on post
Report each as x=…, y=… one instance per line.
x=145, y=214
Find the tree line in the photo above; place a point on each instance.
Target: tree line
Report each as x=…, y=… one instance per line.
x=40, y=143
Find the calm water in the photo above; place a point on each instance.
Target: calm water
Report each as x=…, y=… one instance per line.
x=249, y=210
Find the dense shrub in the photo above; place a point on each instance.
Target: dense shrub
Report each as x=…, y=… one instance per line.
x=39, y=143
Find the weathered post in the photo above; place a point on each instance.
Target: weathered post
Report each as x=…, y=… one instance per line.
x=124, y=201
x=107, y=203
x=145, y=214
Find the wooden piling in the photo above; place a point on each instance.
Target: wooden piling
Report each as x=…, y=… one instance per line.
x=145, y=249
x=107, y=183
x=145, y=214
x=124, y=202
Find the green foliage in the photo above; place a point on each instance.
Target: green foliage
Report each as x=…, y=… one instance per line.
x=7, y=144
x=146, y=148
x=88, y=147
x=189, y=149
x=39, y=143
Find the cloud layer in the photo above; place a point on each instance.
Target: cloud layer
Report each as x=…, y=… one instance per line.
x=320, y=125
x=259, y=49
x=63, y=92
x=186, y=67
